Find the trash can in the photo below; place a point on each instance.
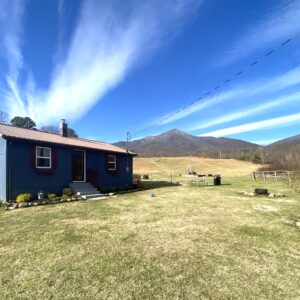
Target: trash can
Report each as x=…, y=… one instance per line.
x=40, y=195
x=217, y=180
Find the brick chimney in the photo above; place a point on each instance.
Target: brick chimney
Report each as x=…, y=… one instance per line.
x=63, y=128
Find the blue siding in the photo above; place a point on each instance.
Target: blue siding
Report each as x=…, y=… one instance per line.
x=96, y=161
x=2, y=169
x=25, y=179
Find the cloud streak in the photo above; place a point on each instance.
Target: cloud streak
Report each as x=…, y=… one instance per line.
x=11, y=16
x=247, y=112
x=284, y=121
x=262, y=86
x=279, y=24
x=107, y=44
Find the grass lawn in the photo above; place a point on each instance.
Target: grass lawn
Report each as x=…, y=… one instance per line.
x=185, y=243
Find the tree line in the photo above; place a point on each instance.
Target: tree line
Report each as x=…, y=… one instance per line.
x=28, y=123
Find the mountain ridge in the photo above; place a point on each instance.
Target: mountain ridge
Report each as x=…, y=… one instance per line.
x=179, y=143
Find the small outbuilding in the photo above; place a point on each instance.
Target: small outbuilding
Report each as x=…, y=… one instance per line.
x=32, y=161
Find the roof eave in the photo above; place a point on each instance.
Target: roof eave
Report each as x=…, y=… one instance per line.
x=67, y=146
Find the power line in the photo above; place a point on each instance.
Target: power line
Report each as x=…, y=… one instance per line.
x=220, y=85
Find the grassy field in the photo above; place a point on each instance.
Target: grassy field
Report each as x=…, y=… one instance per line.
x=185, y=243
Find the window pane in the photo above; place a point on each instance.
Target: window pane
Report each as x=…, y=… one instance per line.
x=111, y=166
x=111, y=158
x=43, y=162
x=44, y=152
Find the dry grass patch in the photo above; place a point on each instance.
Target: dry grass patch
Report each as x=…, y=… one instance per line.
x=226, y=167
x=185, y=243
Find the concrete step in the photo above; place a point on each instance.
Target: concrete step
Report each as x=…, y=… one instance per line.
x=95, y=199
x=85, y=189
x=91, y=196
x=88, y=193
x=80, y=185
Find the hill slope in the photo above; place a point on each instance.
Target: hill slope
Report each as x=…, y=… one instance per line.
x=164, y=166
x=284, y=153
x=293, y=140
x=179, y=143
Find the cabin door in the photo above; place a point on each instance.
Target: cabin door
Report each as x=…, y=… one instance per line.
x=78, y=166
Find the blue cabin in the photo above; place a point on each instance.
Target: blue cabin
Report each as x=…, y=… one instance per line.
x=33, y=161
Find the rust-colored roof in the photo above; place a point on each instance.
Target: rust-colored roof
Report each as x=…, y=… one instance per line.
x=40, y=136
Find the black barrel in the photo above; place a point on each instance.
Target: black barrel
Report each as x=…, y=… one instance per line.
x=217, y=180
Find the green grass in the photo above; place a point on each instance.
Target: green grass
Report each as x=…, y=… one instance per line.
x=185, y=243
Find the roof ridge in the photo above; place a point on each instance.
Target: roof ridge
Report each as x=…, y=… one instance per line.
x=88, y=140
x=53, y=133
x=7, y=130
x=30, y=129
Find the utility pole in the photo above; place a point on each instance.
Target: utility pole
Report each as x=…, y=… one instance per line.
x=127, y=139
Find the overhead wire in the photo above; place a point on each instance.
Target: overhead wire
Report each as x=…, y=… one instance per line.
x=220, y=85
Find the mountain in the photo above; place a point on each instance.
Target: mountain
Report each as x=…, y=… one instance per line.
x=179, y=143
x=293, y=140
x=283, y=153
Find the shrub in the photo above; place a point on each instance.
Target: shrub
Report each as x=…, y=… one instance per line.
x=51, y=196
x=24, y=198
x=67, y=192
x=2, y=203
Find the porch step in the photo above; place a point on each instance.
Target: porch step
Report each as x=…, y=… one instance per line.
x=93, y=196
x=86, y=190
x=95, y=199
x=81, y=185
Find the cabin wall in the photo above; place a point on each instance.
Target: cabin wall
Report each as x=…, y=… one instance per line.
x=3, y=156
x=121, y=179
x=25, y=178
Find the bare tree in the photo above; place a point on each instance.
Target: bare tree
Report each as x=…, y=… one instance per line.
x=50, y=129
x=3, y=117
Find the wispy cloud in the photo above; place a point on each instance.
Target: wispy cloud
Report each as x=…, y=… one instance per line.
x=284, y=121
x=107, y=43
x=279, y=24
x=247, y=112
x=62, y=17
x=261, y=86
x=11, y=16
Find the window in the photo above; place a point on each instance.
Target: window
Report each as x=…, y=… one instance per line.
x=43, y=157
x=112, y=163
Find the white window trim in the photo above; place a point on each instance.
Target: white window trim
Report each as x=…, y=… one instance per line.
x=37, y=157
x=112, y=162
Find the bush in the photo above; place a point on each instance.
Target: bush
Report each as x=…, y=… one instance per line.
x=51, y=196
x=24, y=198
x=67, y=192
x=2, y=203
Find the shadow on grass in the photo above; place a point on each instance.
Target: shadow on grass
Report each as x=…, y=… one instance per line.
x=148, y=185
x=209, y=185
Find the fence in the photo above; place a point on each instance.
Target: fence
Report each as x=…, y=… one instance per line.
x=278, y=174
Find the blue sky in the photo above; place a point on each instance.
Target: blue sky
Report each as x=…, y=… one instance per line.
x=112, y=66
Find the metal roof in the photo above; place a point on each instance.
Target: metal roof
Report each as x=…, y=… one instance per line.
x=40, y=136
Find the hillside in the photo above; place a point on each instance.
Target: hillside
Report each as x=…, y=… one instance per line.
x=284, y=153
x=178, y=165
x=293, y=140
x=179, y=143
